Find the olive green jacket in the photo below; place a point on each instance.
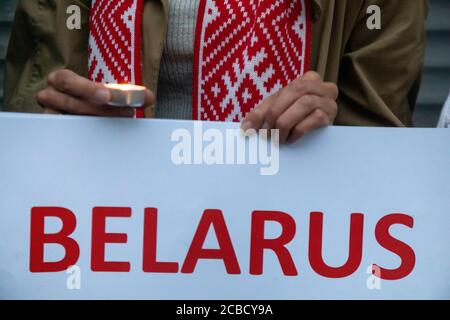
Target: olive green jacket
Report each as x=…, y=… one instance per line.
x=377, y=71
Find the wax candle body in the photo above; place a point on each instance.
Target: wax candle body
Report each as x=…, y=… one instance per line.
x=126, y=95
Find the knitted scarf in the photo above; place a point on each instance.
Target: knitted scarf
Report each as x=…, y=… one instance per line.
x=245, y=50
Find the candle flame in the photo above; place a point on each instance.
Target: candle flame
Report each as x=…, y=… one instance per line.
x=124, y=87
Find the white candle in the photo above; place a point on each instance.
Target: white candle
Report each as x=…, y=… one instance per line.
x=126, y=95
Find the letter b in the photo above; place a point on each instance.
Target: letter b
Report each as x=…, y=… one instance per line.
x=38, y=239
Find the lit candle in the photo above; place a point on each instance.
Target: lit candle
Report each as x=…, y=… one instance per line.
x=126, y=95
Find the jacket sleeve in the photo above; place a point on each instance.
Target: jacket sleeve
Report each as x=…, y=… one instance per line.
x=380, y=70
x=40, y=43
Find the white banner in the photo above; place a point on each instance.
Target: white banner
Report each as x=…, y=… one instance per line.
x=148, y=209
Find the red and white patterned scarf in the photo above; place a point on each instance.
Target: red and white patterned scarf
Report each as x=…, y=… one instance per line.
x=115, y=42
x=245, y=50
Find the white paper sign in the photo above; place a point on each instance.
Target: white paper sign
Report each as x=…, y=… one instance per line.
x=98, y=208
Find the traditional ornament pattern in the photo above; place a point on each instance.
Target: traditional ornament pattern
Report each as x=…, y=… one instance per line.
x=115, y=41
x=246, y=50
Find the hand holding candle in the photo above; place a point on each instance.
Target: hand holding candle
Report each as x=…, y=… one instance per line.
x=69, y=93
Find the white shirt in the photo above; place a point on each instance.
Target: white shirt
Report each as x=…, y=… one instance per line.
x=444, y=122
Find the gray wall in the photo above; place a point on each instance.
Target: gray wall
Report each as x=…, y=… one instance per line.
x=436, y=80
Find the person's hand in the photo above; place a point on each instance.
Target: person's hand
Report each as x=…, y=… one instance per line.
x=306, y=104
x=69, y=93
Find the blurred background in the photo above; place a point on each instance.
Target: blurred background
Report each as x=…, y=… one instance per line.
x=436, y=79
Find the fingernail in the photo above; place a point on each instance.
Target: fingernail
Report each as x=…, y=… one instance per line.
x=247, y=129
x=246, y=125
x=102, y=96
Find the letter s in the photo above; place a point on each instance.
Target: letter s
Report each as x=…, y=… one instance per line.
x=404, y=251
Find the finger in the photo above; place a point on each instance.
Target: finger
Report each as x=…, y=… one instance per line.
x=296, y=114
x=273, y=107
x=265, y=115
x=296, y=90
x=318, y=119
x=300, y=110
x=329, y=89
x=53, y=99
x=51, y=111
x=69, y=82
x=311, y=75
x=150, y=98
x=254, y=119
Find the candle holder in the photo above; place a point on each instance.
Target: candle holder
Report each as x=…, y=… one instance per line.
x=126, y=95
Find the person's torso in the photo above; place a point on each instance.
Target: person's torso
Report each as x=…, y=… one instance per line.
x=175, y=76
